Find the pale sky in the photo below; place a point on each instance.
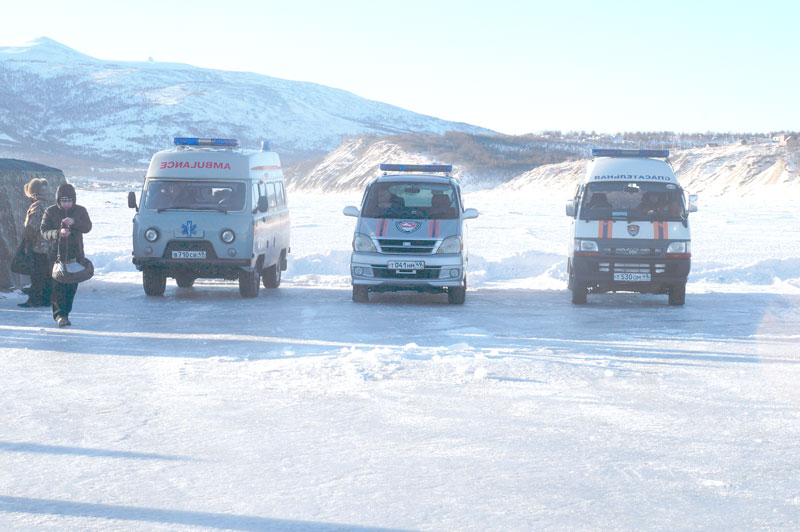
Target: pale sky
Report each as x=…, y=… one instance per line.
x=512, y=66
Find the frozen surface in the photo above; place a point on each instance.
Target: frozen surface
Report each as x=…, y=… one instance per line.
x=300, y=410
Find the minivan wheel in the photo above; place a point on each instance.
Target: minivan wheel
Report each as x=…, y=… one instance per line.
x=249, y=283
x=154, y=282
x=578, y=294
x=361, y=294
x=272, y=276
x=184, y=280
x=677, y=295
x=456, y=295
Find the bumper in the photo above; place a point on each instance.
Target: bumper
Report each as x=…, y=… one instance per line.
x=597, y=273
x=206, y=269
x=440, y=272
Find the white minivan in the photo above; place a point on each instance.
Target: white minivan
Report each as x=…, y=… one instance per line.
x=630, y=227
x=411, y=234
x=211, y=210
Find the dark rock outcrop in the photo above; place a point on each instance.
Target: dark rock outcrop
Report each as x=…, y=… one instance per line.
x=14, y=174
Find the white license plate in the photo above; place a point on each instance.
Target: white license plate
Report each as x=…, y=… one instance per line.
x=406, y=265
x=188, y=254
x=632, y=277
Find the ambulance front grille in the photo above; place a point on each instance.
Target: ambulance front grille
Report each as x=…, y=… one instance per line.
x=419, y=247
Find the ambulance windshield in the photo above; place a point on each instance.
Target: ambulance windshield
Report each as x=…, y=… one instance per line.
x=624, y=200
x=221, y=196
x=412, y=200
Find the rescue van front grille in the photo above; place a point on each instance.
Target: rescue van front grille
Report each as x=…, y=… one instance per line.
x=386, y=273
x=419, y=247
x=628, y=267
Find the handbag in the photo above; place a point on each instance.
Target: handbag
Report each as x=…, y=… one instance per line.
x=71, y=271
x=23, y=260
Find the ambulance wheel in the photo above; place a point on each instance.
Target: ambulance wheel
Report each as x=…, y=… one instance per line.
x=184, y=281
x=456, y=295
x=272, y=276
x=154, y=282
x=578, y=294
x=361, y=294
x=677, y=295
x=249, y=283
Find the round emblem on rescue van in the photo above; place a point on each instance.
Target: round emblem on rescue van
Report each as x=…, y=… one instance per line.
x=408, y=227
x=633, y=230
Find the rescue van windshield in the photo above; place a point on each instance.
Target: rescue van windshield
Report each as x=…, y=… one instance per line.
x=411, y=200
x=621, y=200
x=195, y=195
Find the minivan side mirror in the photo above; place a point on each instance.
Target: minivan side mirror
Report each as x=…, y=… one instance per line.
x=571, y=208
x=693, y=203
x=470, y=213
x=351, y=211
x=132, y=200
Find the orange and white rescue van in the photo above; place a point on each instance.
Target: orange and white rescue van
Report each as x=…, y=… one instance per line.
x=630, y=227
x=211, y=210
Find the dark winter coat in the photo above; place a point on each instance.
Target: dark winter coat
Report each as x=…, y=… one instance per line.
x=72, y=246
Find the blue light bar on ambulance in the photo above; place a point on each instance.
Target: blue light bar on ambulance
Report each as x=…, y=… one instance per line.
x=658, y=154
x=417, y=168
x=194, y=141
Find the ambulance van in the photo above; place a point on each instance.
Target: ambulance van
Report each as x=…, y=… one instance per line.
x=630, y=227
x=211, y=210
x=410, y=233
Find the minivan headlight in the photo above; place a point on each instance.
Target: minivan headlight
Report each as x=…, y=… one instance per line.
x=585, y=247
x=151, y=235
x=451, y=244
x=362, y=242
x=681, y=248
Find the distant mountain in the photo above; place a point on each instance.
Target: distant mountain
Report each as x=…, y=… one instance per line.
x=60, y=106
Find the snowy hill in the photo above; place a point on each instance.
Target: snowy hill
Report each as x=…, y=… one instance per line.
x=58, y=105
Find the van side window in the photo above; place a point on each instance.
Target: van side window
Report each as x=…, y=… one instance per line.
x=281, y=194
x=271, y=195
x=255, y=196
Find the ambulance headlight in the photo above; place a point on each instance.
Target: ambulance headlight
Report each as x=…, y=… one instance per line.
x=451, y=244
x=227, y=236
x=362, y=242
x=151, y=235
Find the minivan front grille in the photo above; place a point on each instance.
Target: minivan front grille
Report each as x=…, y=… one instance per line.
x=431, y=272
x=419, y=247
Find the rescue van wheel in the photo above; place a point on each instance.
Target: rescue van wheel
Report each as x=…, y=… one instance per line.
x=272, y=276
x=249, y=283
x=154, y=282
x=578, y=294
x=184, y=281
x=456, y=295
x=361, y=294
x=677, y=295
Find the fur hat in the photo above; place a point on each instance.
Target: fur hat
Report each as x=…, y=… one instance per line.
x=65, y=191
x=36, y=187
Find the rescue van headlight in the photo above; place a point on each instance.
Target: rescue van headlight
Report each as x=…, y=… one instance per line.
x=362, y=242
x=586, y=248
x=451, y=244
x=679, y=250
x=151, y=235
x=227, y=236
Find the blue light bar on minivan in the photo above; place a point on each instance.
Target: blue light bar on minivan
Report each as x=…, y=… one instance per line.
x=193, y=141
x=659, y=154
x=417, y=168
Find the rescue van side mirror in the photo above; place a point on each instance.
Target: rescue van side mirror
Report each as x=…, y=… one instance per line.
x=571, y=208
x=470, y=214
x=351, y=211
x=693, y=203
x=132, y=200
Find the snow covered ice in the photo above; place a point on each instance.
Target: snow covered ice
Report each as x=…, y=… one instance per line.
x=300, y=410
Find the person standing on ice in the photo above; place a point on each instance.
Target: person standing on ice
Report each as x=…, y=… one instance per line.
x=64, y=225
x=39, y=293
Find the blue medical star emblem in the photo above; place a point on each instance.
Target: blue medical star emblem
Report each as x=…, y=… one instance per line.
x=189, y=228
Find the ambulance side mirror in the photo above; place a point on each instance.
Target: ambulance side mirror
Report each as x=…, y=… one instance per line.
x=571, y=208
x=693, y=203
x=132, y=200
x=351, y=211
x=470, y=214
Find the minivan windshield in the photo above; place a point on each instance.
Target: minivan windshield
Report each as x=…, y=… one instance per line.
x=412, y=200
x=621, y=200
x=221, y=196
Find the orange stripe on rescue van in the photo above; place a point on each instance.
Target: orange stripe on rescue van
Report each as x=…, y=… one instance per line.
x=605, y=230
x=433, y=228
x=383, y=225
x=660, y=230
